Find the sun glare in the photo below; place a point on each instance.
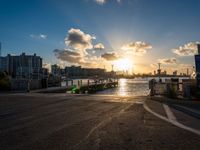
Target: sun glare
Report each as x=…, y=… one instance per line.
x=124, y=64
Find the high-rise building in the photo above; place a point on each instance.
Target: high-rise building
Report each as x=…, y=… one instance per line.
x=198, y=48
x=197, y=63
x=22, y=66
x=55, y=70
x=3, y=64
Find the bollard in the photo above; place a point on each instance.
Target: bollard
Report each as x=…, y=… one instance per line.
x=151, y=87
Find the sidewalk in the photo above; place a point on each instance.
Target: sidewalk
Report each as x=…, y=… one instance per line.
x=174, y=101
x=189, y=107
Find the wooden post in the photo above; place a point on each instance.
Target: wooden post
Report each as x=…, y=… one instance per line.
x=66, y=83
x=71, y=82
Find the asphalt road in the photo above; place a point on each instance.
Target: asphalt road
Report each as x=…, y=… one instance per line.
x=89, y=122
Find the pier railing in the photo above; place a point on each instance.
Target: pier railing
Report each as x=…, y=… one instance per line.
x=90, y=86
x=172, y=87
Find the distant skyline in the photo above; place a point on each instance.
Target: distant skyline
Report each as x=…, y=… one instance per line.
x=102, y=33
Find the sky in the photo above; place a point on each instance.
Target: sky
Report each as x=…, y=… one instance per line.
x=131, y=35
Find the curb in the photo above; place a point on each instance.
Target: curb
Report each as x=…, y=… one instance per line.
x=174, y=101
x=187, y=111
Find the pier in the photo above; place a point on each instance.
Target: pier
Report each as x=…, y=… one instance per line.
x=80, y=88
x=93, y=88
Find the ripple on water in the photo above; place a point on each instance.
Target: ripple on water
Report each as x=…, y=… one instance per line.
x=129, y=87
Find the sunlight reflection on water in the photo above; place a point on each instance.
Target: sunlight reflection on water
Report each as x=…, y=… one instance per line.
x=129, y=87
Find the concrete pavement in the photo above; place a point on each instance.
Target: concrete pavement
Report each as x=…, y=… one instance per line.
x=83, y=122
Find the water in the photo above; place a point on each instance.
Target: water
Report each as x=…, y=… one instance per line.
x=129, y=87
x=133, y=87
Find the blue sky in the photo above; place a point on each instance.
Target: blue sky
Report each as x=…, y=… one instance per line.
x=40, y=26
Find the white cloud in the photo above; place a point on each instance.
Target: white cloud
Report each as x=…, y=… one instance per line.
x=99, y=46
x=154, y=66
x=101, y=2
x=47, y=66
x=168, y=61
x=188, y=49
x=40, y=36
x=138, y=48
x=79, y=40
x=185, y=66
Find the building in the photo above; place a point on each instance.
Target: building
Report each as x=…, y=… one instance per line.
x=74, y=71
x=78, y=71
x=164, y=73
x=22, y=66
x=3, y=64
x=55, y=70
x=174, y=73
x=197, y=64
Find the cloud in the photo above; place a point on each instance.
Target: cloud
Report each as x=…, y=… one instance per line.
x=188, y=49
x=185, y=66
x=68, y=55
x=168, y=61
x=47, y=66
x=101, y=2
x=109, y=56
x=79, y=40
x=40, y=36
x=138, y=48
x=99, y=46
x=154, y=65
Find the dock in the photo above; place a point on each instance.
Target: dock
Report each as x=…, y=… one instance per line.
x=89, y=88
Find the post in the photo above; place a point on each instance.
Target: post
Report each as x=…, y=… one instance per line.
x=71, y=82
x=81, y=82
x=66, y=83
x=151, y=87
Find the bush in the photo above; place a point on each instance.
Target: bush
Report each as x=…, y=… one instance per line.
x=4, y=81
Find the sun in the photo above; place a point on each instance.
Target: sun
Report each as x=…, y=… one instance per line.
x=124, y=64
